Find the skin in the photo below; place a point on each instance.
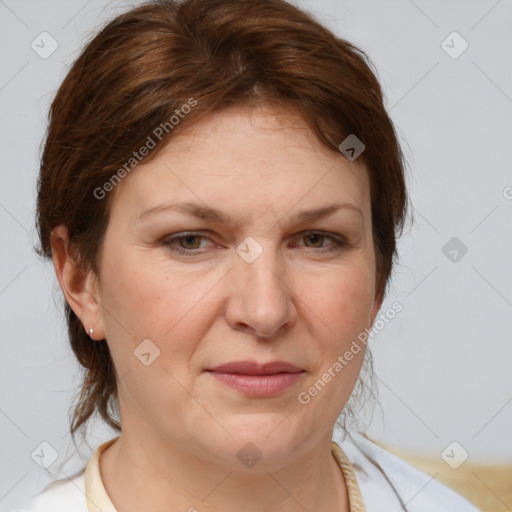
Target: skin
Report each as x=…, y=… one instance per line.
x=298, y=302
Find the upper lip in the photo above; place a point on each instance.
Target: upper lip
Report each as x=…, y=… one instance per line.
x=255, y=368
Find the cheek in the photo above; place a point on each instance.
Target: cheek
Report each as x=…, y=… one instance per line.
x=342, y=300
x=147, y=296
x=136, y=298
x=147, y=300
x=339, y=304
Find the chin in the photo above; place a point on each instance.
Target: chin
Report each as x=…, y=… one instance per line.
x=265, y=436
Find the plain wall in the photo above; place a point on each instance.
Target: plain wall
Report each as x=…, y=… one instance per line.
x=443, y=364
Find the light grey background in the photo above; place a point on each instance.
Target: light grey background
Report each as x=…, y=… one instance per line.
x=443, y=364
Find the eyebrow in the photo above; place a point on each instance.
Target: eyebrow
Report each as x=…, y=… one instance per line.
x=206, y=213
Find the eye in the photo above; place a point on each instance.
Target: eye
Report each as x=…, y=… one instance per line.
x=315, y=240
x=184, y=243
x=190, y=243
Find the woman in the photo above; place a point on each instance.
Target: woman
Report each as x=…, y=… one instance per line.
x=219, y=191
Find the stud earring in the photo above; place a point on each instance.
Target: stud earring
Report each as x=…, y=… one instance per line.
x=90, y=333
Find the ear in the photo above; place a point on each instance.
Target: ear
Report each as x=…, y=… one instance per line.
x=80, y=288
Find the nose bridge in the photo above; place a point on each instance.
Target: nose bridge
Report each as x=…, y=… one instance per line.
x=263, y=300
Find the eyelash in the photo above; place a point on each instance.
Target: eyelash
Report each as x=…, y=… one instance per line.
x=337, y=246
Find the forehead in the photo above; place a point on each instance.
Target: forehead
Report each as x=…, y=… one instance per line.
x=244, y=158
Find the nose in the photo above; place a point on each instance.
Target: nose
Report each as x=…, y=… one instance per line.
x=261, y=302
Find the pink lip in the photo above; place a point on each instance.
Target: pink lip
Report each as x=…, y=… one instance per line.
x=256, y=379
x=255, y=368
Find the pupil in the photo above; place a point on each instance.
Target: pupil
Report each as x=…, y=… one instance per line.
x=189, y=239
x=314, y=238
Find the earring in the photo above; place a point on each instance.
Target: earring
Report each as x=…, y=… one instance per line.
x=90, y=333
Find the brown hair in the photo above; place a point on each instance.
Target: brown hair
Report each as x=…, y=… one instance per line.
x=150, y=61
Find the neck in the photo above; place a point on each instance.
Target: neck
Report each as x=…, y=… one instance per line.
x=141, y=473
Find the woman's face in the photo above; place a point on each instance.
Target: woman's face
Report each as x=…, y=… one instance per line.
x=217, y=252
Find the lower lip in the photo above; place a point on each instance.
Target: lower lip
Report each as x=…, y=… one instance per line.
x=259, y=385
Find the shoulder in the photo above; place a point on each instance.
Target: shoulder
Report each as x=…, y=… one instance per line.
x=385, y=478
x=61, y=496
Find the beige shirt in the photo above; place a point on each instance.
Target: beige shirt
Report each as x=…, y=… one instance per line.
x=99, y=501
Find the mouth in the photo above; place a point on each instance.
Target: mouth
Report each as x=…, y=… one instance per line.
x=255, y=368
x=257, y=379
